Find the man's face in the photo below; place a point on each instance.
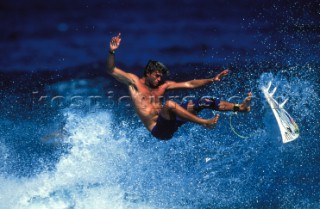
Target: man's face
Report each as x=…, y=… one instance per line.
x=154, y=78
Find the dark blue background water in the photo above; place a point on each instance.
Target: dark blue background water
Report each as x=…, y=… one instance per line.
x=53, y=80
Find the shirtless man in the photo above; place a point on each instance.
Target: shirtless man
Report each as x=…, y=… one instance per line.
x=163, y=120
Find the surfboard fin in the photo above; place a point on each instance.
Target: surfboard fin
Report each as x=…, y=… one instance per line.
x=283, y=103
x=273, y=91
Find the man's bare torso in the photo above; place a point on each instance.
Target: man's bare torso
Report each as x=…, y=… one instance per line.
x=147, y=101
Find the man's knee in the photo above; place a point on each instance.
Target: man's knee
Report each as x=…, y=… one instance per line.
x=170, y=104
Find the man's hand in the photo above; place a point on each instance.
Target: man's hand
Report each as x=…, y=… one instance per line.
x=115, y=42
x=221, y=75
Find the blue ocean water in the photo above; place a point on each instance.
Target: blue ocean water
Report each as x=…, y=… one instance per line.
x=69, y=137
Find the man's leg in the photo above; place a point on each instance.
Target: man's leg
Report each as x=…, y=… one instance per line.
x=223, y=106
x=243, y=107
x=171, y=109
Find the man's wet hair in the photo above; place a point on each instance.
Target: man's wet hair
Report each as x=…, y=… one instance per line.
x=153, y=66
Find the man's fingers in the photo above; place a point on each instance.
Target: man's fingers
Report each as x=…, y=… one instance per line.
x=225, y=72
x=115, y=41
x=117, y=38
x=222, y=74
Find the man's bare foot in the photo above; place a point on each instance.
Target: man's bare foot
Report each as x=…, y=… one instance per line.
x=245, y=106
x=212, y=122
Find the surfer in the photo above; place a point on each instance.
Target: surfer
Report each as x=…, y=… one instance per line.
x=146, y=92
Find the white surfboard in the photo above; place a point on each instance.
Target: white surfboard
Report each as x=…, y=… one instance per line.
x=288, y=128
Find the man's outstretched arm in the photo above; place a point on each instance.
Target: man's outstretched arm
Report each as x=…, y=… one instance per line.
x=197, y=82
x=120, y=75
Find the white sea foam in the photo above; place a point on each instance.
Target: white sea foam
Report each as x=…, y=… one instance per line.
x=87, y=177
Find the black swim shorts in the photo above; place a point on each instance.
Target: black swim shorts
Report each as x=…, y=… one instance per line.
x=164, y=129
